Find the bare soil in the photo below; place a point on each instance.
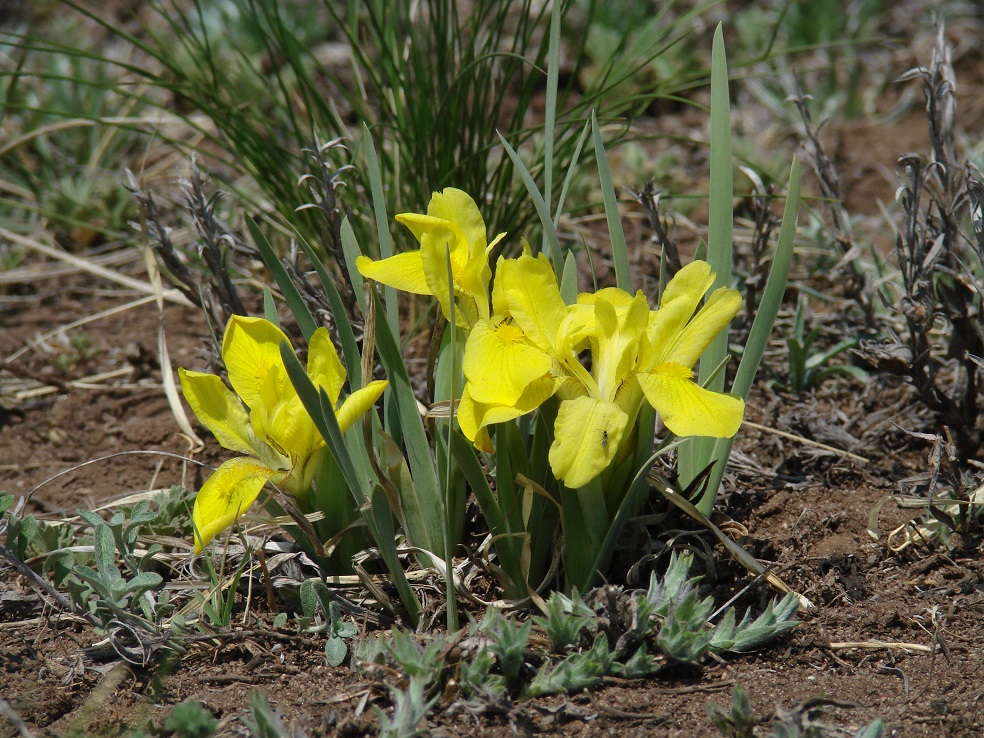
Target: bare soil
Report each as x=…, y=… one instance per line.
x=893, y=635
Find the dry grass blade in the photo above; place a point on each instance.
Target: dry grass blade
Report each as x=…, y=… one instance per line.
x=88, y=266
x=31, y=274
x=164, y=357
x=878, y=645
x=805, y=441
x=108, y=313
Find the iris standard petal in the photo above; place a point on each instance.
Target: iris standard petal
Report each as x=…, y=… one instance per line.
x=688, y=409
x=458, y=207
x=226, y=495
x=290, y=430
x=437, y=247
x=251, y=352
x=323, y=365
x=677, y=305
x=711, y=319
x=468, y=414
x=528, y=289
x=403, y=272
x=420, y=225
x=359, y=402
x=219, y=410
x=587, y=433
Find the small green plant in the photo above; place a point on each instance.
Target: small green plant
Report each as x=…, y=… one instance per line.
x=576, y=672
x=107, y=594
x=508, y=643
x=807, y=367
x=477, y=680
x=20, y=532
x=409, y=710
x=264, y=721
x=79, y=351
x=566, y=619
x=739, y=721
x=191, y=719
x=218, y=604
x=801, y=721
x=171, y=513
x=401, y=650
x=124, y=530
x=316, y=596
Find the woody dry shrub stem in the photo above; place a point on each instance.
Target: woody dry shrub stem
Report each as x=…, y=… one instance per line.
x=941, y=266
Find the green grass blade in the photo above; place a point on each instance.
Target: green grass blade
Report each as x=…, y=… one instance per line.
x=758, y=337
x=719, y=237
x=346, y=336
x=412, y=431
x=270, y=306
x=550, y=232
x=550, y=114
x=350, y=247
x=571, y=171
x=568, y=280
x=382, y=225
x=319, y=407
x=620, y=254
x=295, y=302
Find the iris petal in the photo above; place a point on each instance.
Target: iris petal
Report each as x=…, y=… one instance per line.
x=586, y=436
x=711, y=319
x=403, y=272
x=251, y=352
x=499, y=363
x=688, y=409
x=359, y=402
x=226, y=495
x=527, y=289
x=219, y=410
x=323, y=365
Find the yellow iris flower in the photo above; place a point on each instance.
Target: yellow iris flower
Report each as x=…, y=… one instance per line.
x=263, y=419
x=530, y=350
x=678, y=338
x=452, y=226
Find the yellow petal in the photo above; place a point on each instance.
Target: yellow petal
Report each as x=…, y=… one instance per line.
x=499, y=363
x=226, y=495
x=587, y=433
x=693, y=340
x=219, y=410
x=251, y=352
x=680, y=299
x=469, y=423
x=458, y=207
x=528, y=291
x=438, y=245
x=688, y=409
x=323, y=365
x=616, y=297
x=359, y=402
x=403, y=272
x=284, y=423
x=474, y=417
x=421, y=225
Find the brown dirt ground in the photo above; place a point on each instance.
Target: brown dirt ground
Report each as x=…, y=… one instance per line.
x=915, y=619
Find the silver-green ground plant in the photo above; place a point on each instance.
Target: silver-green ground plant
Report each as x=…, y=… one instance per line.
x=629, y=634
x=805, y=720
